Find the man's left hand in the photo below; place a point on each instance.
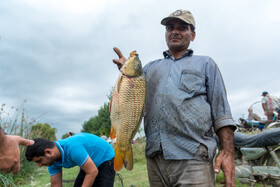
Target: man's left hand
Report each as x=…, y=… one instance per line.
x=225, y=160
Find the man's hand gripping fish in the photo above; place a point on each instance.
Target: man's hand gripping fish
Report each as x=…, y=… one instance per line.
x=126, y=108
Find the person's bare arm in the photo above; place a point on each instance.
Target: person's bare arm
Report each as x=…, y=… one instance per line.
x=10, y=153
x=264, y=109
x=225, y=160
x=56, y=180
x=91, y=172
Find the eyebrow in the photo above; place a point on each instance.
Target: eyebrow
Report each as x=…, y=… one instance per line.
x=180, y=25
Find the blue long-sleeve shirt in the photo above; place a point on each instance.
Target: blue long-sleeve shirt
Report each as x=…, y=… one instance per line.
x=185, y=103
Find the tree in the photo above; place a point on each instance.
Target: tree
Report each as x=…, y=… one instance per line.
x=43, y=131
x=66, y=135
x=100, y=123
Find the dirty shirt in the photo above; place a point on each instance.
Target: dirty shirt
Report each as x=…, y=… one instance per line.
x=186, y=103
x=76, y=149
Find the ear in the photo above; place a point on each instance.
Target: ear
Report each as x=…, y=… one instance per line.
x=193, y=36
x=48, y=152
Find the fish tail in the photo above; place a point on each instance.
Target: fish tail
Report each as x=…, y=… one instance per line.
x=112, y=133
x=128, y=159
x=118, y=161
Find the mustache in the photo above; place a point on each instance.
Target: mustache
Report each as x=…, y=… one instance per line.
x=175, y=37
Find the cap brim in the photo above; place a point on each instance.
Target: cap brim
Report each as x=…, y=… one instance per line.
x=165, y=20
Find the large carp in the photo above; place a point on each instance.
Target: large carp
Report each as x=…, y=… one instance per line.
x=126, y=108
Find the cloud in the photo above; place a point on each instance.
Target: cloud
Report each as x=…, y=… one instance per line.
x=58, y=54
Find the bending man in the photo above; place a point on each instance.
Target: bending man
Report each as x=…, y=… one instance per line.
x=94, y=155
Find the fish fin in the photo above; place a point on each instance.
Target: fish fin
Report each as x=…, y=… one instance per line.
x=119, y=83
x=144, y=109
x=137, y=128
x=128, y=159
x=112, y=133
x=110, y=105
x=118, y=160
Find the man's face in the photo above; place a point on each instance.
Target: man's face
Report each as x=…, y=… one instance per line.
x=178, y=35
x=44, y=160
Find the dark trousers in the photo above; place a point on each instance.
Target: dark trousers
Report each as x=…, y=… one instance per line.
x=105, y=177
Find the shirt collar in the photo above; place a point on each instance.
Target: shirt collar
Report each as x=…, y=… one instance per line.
x=61, y=151
x=189, y=52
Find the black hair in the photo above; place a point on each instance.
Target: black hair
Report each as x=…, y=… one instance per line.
x=71, y=133
x=38, y=148
x=192, y=27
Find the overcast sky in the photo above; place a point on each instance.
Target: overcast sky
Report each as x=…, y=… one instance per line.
x=57, y=54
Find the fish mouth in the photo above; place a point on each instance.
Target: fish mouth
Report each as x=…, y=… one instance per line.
x=133, y=53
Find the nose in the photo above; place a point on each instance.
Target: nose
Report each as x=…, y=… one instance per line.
x=175, y=31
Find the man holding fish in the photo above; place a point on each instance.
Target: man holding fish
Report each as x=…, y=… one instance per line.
x=185, y=104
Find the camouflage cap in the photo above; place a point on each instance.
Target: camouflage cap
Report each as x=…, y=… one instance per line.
x=183, y=15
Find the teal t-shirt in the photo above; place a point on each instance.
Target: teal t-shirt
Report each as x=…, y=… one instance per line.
x=76, y=149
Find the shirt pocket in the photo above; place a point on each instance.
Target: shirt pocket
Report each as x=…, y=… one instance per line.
x=191, y=81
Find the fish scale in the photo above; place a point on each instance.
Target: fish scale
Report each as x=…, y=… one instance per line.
x=126, y=110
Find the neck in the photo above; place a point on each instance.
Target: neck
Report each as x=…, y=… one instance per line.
x=177, y=54
x=57, y=153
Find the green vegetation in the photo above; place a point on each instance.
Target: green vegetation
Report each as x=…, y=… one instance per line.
x=99, y=123
x=15, y=121
x=66, y=135
x=43, y=131
x=42, y=177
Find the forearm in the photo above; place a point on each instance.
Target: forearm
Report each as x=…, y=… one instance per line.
x=56, y=180
x=226, y=137
x=56, y=185
x=89, y=179
x=264, y=107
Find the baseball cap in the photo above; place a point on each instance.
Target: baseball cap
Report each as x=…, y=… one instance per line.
x=264, y=93
x=183, y=15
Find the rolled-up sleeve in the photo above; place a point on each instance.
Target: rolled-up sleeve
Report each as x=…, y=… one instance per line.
x=217, y=97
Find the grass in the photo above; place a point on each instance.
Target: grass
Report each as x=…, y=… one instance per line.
x=42, y=177
x=138, y=177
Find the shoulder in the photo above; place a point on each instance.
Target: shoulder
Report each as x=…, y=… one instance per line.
x=77, y=139
x=203, y=59
x=264, y=99
x=151, y=63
